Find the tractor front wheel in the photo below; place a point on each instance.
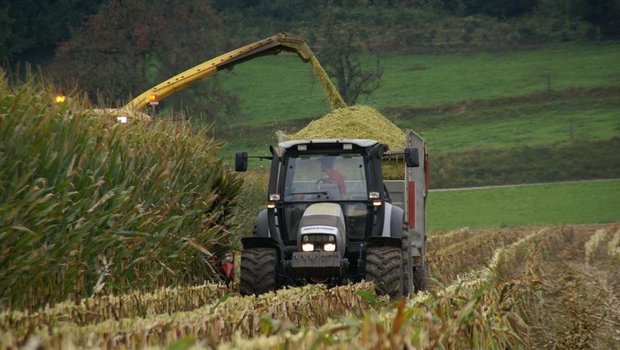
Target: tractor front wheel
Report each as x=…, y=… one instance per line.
x=384, y=267
x=258, y=271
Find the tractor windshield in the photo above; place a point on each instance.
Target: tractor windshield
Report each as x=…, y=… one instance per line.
x=311, y=178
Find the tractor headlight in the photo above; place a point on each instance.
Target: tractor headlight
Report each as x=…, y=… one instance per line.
x=329, y=247
x=307, y=247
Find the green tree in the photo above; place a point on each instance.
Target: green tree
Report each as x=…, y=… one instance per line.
x=130, y=45
x=31, y=29
x=604, y=15
x=340, y=48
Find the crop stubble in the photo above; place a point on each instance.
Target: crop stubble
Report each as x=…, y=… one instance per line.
x=526, y=287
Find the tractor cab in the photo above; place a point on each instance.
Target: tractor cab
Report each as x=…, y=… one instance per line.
x=346, y=173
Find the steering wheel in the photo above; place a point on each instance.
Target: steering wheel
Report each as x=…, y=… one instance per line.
x=320, y=182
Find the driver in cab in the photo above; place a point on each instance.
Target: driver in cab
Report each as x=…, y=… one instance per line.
x=332, y=175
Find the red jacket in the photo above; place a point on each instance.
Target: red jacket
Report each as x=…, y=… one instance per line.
x=339, y=179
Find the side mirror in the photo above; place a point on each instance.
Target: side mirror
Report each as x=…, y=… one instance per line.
x=412, y=157
x=241, y=161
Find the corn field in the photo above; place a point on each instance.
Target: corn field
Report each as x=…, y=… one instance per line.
x=89, y=206
x=533, y=290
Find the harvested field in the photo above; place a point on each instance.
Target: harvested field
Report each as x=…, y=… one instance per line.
x=522, y=287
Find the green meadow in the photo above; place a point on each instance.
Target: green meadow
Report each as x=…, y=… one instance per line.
x=544, y=204
x=281, y=88
x=459, y=101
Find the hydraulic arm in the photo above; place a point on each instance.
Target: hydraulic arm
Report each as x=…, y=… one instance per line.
x=269, y=46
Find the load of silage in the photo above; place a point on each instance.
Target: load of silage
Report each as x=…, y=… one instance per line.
x=88, y=205
x=358, y=122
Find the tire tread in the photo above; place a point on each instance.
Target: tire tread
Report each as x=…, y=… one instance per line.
x=384, y=267
x=258, y=271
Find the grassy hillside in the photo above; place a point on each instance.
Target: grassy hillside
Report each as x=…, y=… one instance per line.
x=281, y=88
x=527, y=164
x=464, y=104
x=567, y=203
x=539, y=119
x=431, y=80
x=534, y=120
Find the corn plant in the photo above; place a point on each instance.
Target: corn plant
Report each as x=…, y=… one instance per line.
x=88, y=206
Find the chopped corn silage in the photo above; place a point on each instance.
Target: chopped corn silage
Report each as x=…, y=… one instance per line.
x=358, y=122
x=335, y=100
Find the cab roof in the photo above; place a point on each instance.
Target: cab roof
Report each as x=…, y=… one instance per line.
x=358, y=142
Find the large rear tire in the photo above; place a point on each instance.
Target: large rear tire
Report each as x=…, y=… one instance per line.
x=384, y=267
x=258, y=271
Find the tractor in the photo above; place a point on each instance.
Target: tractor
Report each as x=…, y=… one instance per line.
x=331, y=218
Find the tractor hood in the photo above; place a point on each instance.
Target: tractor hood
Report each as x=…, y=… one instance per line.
x=320, y=222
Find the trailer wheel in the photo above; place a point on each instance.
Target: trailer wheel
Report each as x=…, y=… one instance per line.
x=258, y=271
x=420, y=278
x=384, y=267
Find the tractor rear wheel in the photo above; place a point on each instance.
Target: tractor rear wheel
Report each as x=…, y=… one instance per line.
x=384, y=267
x=258, y=271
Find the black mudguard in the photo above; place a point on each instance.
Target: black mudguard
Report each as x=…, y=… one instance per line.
x=380, y=241
x=259, y=242
x=262, y=225
x=396, y=222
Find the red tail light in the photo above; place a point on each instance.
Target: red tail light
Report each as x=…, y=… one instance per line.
x=228, y=266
